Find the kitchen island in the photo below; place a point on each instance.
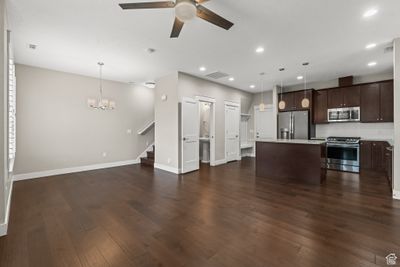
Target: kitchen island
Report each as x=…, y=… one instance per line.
x=291, y=160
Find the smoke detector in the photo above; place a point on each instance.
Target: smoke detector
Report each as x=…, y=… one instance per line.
x=150, y=85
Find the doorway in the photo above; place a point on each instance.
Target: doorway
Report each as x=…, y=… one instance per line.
x=207, y=130
x=232, y=131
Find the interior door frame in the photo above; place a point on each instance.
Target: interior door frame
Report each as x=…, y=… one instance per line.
x=213, y=102
x=257, y=108
x=238, y=105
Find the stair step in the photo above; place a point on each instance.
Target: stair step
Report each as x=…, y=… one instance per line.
x=147, y=162
x=150, y=154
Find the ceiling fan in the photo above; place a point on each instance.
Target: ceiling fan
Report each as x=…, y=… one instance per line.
x=185, y=10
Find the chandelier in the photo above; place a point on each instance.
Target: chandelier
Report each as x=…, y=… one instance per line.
x=101, y=103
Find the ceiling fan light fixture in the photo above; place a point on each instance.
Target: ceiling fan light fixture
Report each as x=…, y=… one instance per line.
x=185, y=10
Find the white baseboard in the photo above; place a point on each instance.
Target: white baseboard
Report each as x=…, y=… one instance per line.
x=40, y=174
x=396, y=194
x=166, y=168
x=219, y=162
x=4, y=226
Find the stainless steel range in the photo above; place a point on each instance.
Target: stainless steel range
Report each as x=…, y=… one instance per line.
x=343, y=153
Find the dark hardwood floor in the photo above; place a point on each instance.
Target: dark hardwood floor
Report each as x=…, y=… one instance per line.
x=223, y=216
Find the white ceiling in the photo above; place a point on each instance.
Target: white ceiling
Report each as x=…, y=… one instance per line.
x=73, y=35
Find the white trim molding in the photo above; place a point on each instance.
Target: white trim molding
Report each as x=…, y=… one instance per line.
x=34, y=175
x=166, y=168
x=396, y=195
x=144, y=154
x=4, y=226
x=219, y=162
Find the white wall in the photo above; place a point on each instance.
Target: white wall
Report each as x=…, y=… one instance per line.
x=56, y=129
x=3, y=117
x=190, y=86
x=397, y=118
x=167, y=124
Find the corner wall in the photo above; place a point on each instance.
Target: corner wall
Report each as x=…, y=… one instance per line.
x=57, y=131
x=167, y=124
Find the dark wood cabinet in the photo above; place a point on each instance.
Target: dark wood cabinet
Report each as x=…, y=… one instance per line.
x=344, y=97
x=377, y=102
x=289, y=101
x=298, y=98
x=351, y=96
x=373, y=156
x=370, y=102
x=320, y=106
x=366, y=155
x=335, y=98
x=387, y=102
x=389, y=166
x=293, y=100
x=378, y=156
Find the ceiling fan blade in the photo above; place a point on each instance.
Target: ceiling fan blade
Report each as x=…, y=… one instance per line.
x=213, y=18
x=176, y=30
x=147, y=5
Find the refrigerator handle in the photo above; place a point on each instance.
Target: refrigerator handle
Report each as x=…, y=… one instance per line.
x=294, y=125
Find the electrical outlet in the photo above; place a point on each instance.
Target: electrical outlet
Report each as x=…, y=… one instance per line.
x=104, y=154
x=147, y=143
x=129, y=131
x=169, y=160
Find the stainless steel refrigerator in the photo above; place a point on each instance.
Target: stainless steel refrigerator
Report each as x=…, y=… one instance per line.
x=295, y=125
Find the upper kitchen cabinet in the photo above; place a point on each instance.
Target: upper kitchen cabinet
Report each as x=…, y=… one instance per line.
x=293, y=100
x=288, y=98
x=344, y=97
x=377, y=102
x=387, y=102
x=298, y=98
x=351, y=96
x=320, y=106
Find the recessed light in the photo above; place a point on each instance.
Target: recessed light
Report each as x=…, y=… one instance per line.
x=252, y=86
x=370, y=13
x=231, y=79
x=370, y=46
x=202, y=69
x=300, y=77
x=260, y=50
x=372, y=64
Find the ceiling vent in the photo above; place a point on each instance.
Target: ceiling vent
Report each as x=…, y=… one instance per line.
x=217, y=75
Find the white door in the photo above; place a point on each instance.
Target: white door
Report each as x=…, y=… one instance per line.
x=190, y=118
x=264, y=123
x=232, y=130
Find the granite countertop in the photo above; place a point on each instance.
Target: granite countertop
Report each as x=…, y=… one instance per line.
x=292, y=141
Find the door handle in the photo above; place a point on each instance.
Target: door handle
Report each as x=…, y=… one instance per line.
x=184, y=139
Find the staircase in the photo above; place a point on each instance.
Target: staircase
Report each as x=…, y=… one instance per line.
x=149, y=160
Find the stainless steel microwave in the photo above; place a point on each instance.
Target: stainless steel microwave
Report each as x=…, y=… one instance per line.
x=344, y=114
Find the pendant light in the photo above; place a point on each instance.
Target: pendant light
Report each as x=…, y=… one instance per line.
x=101, y=103
x=262, y=105
x=305, y=103
x=282, y=103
